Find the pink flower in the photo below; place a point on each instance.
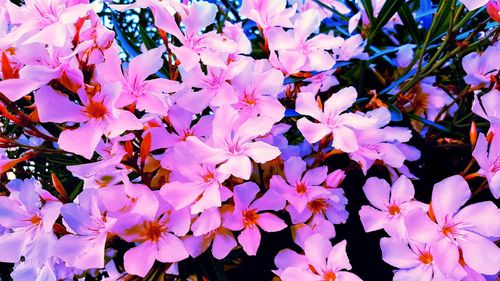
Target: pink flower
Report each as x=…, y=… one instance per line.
x=300, y=188
x=488, y=158
x=321, y=262
x=392, y=204
x=98, y=116
x=480, y=67
x=332, y=119
x=231, y=143
x=156, y=239
x=85, y=247
x=248, y=216
x=296, y=52
x=472, y=5
x=146, y=94
x=416, y=261
x=28, y=215
x=458, y=234
x=493, y=8
x=268, y=13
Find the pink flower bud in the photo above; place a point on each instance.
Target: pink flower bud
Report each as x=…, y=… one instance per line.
x=335, y=178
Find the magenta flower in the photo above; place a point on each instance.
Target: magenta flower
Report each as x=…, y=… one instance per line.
x=321, y=262
x=268, y=13
x=248, y=216
x=392, y=204
x=332, y=119
x=480, y=67
x=458, y=234
x=156, y=239
x=300, y=188
x=484, y=106
x=231, y=143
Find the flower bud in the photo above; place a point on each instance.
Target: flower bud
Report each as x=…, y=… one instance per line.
x=335, y=178
x=493, y=8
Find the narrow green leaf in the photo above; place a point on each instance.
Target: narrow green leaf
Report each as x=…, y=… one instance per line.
x=146, y=39
x=386, y=12
x=396, y=114
x=442, y=19
x=130, y=49
x=430, y=123
x=409, y=22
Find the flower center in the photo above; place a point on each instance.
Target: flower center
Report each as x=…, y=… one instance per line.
x=250, y=217
x=95, y=110
x=393, y=209
x=35, y=220
x=425, y=258
x=318, y=205
x=301, y=188
x=329, y=276
x=152, y=230
x=249, y=99
x=448, y=230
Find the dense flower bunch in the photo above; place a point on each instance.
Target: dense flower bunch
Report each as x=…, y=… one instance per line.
x=232, y=122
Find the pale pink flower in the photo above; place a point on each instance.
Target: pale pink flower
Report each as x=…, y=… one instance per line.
x=332, y=119
x=321, y=82
x=147, y=95
x=248, y=216
x=268, y=13
x=321, y=262
x=415, y=261
x=488, y=158
x=84, y=248
x=352, y=48
x=481, y=67
x=467, y=231
x=156, y=239
x=231, y=143
x=301, y=185
x=392, y=204
x=97, y=117
x=296, y=52
x=472, y=5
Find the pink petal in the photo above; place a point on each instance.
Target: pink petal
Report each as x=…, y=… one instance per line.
x=223, y=243
x=13, y=246
x=481, y=218
x=377, y=192
x=261, y=152
x=347, y=276
x=337, y=258
x=270, y=222
x=140, y=259
x=340, y=101
x=294, y=168
x=306, y=105
x=397, y=253
x=288, y=258
x=480, y=254
x=306, y=23
x=445, y=255
x=203, y=152
x=171, y=249
x=15, y=89
x=250, y=240
x=372, y=219
x=344, y=139
x=402, y=190
x=278, y=39
x=419, y=273
x=196, y=245
x=238, y=166
x=179, y=194
x=47, y=99
x=299, y=274
x=186, y=56
x=316, y=176
x=82, y=140
x=317, y=248
x=312, y=132
x=144, y=65
x=53, y=34
x=420, y=227
x=244, y=194
x=448, y=196
x=271, y=200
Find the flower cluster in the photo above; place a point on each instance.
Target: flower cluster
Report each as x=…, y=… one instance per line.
x=124, y=160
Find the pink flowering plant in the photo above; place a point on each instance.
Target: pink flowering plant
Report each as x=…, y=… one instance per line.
x=293, y=140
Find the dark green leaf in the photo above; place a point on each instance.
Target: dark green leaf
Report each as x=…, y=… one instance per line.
x=146, y=39
x=367, y=4
x=430, y=123
x=130, y=49
x=409, y=22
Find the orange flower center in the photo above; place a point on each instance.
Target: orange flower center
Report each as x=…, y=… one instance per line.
x=425, y=258
x=301, y=188
x=35, y=220
x=329, y=276
x=152, y=230
x=318, y=205
x=250, y=217
x=393, y=209
x=96, y=110
x=448, y=230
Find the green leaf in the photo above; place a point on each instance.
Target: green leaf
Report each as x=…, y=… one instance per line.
x=431, y=123
x=409, y=22
x=396, y=114
x=146, y=39
x=128, y=47
x=386, y=12
x=442, y=19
